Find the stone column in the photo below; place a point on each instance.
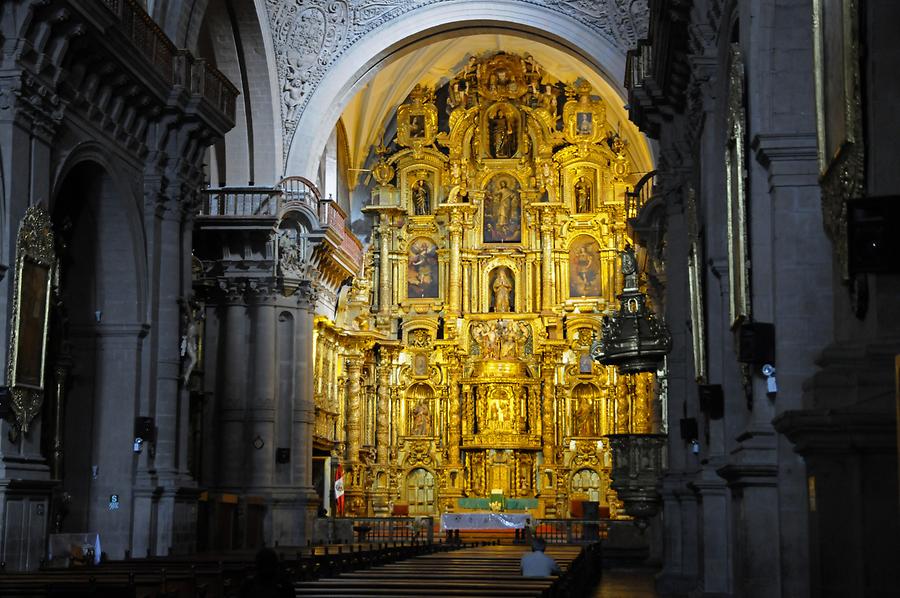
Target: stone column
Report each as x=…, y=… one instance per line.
x=455, y=230
x=261, y=409
x=294, y=506
x=167, y=329
x=232, y=444
x=118, y=355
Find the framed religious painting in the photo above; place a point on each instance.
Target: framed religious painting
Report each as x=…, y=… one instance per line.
x=35, y=270
x=838, y=115
x=417, y=120
x=695, y=287
x=502, y=210
x=736, y=193
x=584, y=117
x=422, y=270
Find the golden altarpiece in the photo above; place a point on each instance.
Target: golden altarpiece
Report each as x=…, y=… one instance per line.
x=457, y=371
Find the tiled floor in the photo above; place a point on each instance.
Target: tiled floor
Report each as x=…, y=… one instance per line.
x=636, y=583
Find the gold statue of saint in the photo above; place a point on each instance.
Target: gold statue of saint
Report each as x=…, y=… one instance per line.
x=502, y=288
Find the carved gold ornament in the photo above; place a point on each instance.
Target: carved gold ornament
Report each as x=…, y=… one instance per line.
x=35, y=278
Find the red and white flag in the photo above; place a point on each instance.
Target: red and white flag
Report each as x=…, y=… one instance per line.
x=339, y=490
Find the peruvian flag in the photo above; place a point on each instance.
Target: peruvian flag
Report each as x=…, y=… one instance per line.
x=339, y=489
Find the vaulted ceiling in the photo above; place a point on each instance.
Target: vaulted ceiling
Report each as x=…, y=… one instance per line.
x=372, y=108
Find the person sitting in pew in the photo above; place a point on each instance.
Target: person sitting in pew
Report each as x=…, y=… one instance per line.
x=536, y=563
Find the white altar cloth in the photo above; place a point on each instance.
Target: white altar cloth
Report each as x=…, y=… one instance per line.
x=485, y=520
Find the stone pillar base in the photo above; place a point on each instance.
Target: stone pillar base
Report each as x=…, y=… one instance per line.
x=292, y=517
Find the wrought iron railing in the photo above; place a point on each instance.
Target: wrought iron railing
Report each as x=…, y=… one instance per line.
x=638, y=197
x=393, y=529
x=571, y=531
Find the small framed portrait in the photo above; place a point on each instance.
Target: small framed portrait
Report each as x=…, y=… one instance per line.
x=584, y=123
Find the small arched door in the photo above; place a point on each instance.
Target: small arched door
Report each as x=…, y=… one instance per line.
x=420, y=492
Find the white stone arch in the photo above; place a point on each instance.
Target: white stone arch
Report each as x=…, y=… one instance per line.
x=359, y=62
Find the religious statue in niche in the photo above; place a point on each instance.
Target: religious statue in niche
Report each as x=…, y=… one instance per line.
x=422, y=269
x=417, y=126
x=421, y=419
x=584, y=416
x=502, y=290
x=582, y=196
x=584, y=268
x=421, y=198
x=584, y=123
x=503, y=133
x=290, y=255
x=502, y=211
x=192, y=314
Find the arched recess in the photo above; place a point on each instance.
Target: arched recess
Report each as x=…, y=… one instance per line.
x=231, y=37
x=587, y=484
x=97, y=337
x=423, y=26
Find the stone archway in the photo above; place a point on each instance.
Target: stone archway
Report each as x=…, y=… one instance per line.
x=598, y=39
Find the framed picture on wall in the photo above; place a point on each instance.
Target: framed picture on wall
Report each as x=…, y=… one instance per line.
x=34, y=275
x=838, y=115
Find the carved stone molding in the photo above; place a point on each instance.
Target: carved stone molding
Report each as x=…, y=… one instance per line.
x=310, y=35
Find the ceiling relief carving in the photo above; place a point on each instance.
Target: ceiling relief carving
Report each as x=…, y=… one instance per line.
x=310, y=35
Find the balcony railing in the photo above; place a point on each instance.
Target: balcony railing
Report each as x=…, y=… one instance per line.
x=269, y=202
x=177, y=67
x=638, y=197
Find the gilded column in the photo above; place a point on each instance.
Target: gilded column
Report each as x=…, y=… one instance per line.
x=548, y=427
x=354, y=402
x=382, y=408
x=455, y=432
x=455, y=230
x=549, y=286
x=384, y=286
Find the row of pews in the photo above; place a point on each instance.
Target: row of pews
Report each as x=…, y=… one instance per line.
x=484, y=571
x=201, y=575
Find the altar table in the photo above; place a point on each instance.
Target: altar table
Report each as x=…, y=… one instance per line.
x=485, y=521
